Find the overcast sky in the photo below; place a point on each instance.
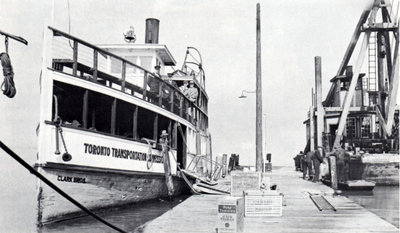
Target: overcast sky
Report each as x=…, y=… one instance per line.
x=293, y=33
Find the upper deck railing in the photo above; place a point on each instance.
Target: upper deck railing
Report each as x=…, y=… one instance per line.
x=81, y=59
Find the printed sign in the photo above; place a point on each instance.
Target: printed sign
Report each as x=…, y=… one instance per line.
x=263, y=206
x=230, y=215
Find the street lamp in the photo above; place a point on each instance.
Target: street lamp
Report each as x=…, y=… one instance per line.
x=245, y=96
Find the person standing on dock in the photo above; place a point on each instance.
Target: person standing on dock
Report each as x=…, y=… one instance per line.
x=318, y=158
x=307, y=164
x=298, y=161
x=342, y=163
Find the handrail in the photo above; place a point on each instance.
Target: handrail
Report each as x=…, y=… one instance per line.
x=158, y=79
x=64, y=34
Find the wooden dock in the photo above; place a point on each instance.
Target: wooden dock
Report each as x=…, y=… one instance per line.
x=199, y=212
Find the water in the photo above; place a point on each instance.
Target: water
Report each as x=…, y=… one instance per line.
x=383, y=201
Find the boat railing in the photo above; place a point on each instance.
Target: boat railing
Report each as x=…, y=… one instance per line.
x=80, y=59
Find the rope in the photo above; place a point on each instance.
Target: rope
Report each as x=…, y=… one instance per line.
x=149, y=154
x=8, y=86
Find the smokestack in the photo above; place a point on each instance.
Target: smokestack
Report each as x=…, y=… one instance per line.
x=152, y=26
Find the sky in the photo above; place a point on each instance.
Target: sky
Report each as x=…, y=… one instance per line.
x=293, y=33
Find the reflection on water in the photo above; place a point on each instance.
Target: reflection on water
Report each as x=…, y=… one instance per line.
x=127, y=218
x=383, y=201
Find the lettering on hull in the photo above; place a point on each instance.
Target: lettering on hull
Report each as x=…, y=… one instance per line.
x=71, y=179
x=119, y=153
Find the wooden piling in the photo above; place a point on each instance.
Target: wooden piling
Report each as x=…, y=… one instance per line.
x=334, y=180
x=318, y=98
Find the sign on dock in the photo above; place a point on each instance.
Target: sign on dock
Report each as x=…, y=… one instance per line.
x=230, y=214
x=263, y=203
x=241, y=181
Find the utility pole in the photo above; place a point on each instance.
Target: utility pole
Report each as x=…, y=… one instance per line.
x=259, y=158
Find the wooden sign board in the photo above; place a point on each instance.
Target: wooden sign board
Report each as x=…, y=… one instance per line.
x=268, y=205
x=242, y=181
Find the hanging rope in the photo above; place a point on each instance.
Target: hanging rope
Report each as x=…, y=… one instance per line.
x=149, y=156
x=8, y=86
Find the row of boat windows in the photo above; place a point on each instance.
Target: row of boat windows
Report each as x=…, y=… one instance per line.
x=143, y=61
x=90, y=110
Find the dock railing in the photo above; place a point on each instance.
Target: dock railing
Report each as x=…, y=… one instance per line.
x=80, y=59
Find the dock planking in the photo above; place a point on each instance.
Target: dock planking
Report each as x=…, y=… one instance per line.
x=199, y=213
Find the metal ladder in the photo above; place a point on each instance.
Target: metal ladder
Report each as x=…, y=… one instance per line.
x=372, y=52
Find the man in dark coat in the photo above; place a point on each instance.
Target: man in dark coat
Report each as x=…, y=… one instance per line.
x=307, y=164
x=298, y=161
x=318, y=158
x=342, y=163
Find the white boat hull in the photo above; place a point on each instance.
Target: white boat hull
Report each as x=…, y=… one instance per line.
x=97, y=189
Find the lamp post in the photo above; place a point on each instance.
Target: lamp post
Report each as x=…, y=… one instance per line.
x=245, y=96
x=258, y=91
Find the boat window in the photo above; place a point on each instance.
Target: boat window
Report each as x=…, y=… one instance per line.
x=145, y=124
x=124, y=119
x=145, y=62
x=70, y=99
x=116, y=65
x=131, y=69
x=99, y=112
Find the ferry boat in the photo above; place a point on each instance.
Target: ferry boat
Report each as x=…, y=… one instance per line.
x=104, y=110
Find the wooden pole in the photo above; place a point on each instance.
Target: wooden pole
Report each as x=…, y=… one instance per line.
x=393, y=88
x=312, y=131
x=258, y=96
x=318, y=93
x=334, y=180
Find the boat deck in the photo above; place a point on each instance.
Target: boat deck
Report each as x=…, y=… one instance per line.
x=199, y=213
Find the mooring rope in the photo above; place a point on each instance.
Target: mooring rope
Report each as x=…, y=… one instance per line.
x=53, y=186
x=8, y=86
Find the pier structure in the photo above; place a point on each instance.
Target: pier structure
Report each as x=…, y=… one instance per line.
x=302, y=212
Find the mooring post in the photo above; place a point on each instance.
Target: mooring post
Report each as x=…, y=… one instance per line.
x=259, y=127
x=334, y=181
x=318, y=98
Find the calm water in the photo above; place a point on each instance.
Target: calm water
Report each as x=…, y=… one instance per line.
x=383, y=201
